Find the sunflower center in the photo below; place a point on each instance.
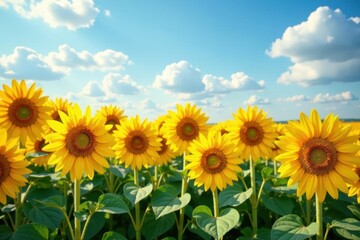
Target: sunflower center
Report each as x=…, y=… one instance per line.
x=357, y=171
x=39, y=144
x=55, y=116
x=136, y=142
x=80, y=141
x=223, y=132
x=4, y=168
x=251, y=133
x=318, y=156
x=112, y=120
x=164, y=146
x=213, y=161
x=22, y=112
x=187, y=129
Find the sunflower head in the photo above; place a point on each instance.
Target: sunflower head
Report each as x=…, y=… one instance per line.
x=253, y=131
x=80, y=143
x=166, y=154
x=113, y=114
x=213, y=161
x=37, y=147
x=12, y=167
x=59, y=104
x=23, y=111
x=319, y=156
x=280, y=130
x=220, y=127
x=184, y=126
x=136, y=143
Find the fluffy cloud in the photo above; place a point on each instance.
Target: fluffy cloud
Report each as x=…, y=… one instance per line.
x=58, y=13
x=340, y=97
x=239, y=81
x=148, y=104
x=114, y=83
x=107, y=60
x=26, y=63
x=319, y=50
x=93, y=89
x=295, y=98
x=180, y=77
x=256, y=100
x=29, y=64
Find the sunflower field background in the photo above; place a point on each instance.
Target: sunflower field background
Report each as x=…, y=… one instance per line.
x=70, y=173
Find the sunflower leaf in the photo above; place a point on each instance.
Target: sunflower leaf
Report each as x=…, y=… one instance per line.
x=233, y=196
x=153, y=228
x=350, y=224
x=278, y=204
x=31, y=231
x=291, y=227
x=112, y=203
x=165, y=200
x=217, y=227
x=48, y=216
x=136, y=193
x=113, y=236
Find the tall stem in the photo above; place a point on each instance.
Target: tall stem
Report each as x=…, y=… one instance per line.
x=156, y=177
x=275, y=166
x=182, y=210
x=253, y=198
x=319, y=219
x=137, y=208
x=308, y=211
x=77, y=208
x=216, y=203
x=18, y=210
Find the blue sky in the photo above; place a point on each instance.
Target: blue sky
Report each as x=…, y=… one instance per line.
x=286, y=57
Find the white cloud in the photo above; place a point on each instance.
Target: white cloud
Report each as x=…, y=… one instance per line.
x=256, y=100
x=295, y=98
x=107, y=60
x=114, y=83
x=180, y=77
x=72, y=97
x=58, y=13
x=340, y=97
x=26, y=63
x=323, y=49
x=239, y=81
x=148, y=104
x=92, y=89
x=107, y=13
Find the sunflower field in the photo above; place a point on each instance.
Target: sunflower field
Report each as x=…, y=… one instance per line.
x=68, y=173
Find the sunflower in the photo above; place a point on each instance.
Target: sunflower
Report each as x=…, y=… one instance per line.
x=319, y=156
x=36, y=146
x=136, y=143
x=166, y=154
x=355, y=187
x=184, y=126
x=254, y=133
x=23, y=111
x=58, y=105
x=213, y=162
x=220, y=127
x=280, y=131
x=113, y=115
x=79, y=143
x=159, y=122
x=12, y=167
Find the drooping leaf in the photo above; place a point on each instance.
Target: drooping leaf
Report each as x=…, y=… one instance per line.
x=112, y=203
x=217, y=227
x=113, y=236
x=119, y=171
x=355, y=209
x=165, y=200
x=233, y=196
x=153, y=228
x=348, y=228
x=31, y=231
x=136, y=193
x=291, y=227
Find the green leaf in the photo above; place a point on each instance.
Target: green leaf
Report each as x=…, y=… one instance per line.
x=112, y=203
x=31, y=231
x=165, y=200
x=119, y=170
x=8, y=208
x=35, y=155
x=266, y=172
x=350, y=224
x=280, y=205
x=48, y=216
x=82, y=215
x=5, y=232
x=233, y=196
x=96, y=223
x=291, y=227
x=153, y=228
x=56, y=201
x=113, y=236
x=216, y=226
x=136, y=193
x=355, y=209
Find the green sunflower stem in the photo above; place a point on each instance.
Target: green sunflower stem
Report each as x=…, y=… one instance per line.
x=182, y=210
x=319, y=219
x=253, y=198
x=77, y=208
x=216, y=203
x=18, y=210
x=156, y=177
x=137, y=208
x=275, y=166
x=308, y=211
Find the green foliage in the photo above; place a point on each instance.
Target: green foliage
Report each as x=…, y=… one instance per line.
x=31, y=231
x=136, y=193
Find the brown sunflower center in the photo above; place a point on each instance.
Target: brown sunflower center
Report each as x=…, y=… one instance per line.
x=22, y=112
x=55, y=116
x=213, y=161
x=80, y=141
x=318, y=156
x=187, y=129
x=251, y=133
x=112, y=120
x=136, y=142
x=4, y=168
x=357, y=171
x=39, y=144
x=223, y=132
x=164, y=146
